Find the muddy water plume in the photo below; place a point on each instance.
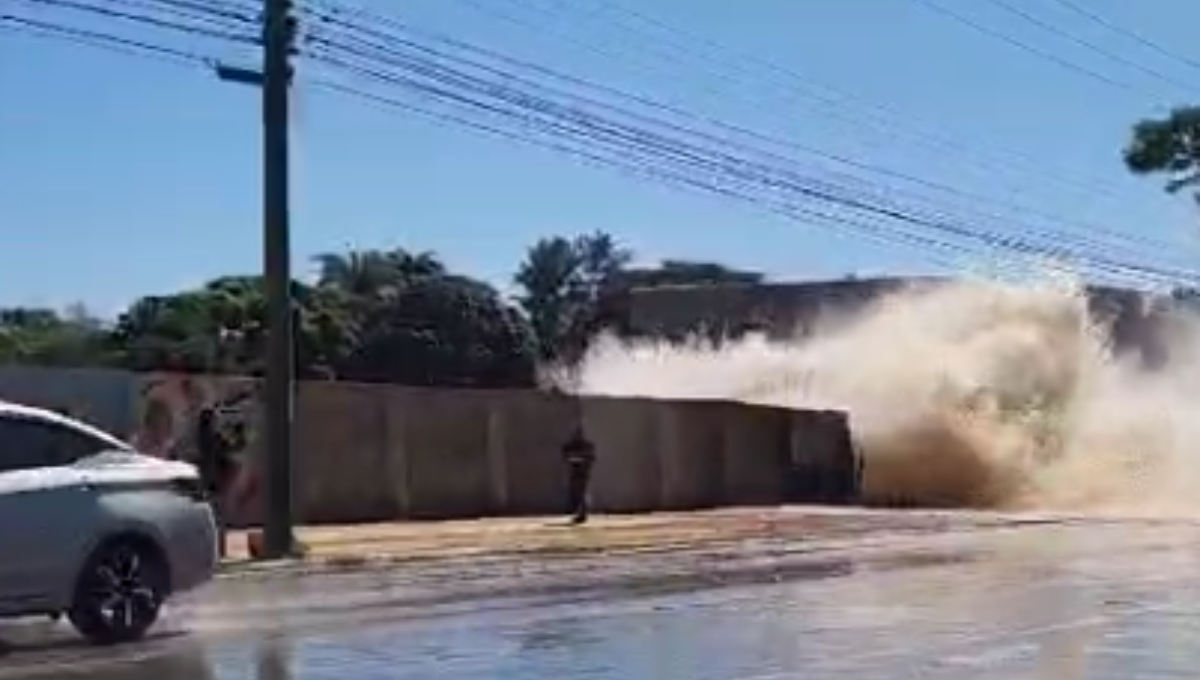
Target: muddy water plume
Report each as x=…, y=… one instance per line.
x=972, y=394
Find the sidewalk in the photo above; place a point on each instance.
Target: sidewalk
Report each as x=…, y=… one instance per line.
x=394, y=543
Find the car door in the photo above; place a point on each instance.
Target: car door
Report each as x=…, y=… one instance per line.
x=43, y=515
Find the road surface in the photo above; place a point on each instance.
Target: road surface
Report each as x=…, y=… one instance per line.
x=1059, y=602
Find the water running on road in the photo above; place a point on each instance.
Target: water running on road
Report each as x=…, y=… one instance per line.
x=1060, y=603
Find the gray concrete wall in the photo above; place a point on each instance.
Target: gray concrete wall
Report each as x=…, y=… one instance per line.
x=102, y=397
x=370, y=452
x=375, y=453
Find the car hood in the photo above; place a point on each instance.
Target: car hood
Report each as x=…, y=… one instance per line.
x=122, y=462
x=110, y=467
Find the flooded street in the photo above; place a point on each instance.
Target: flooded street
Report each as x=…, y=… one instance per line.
x=1059, y=602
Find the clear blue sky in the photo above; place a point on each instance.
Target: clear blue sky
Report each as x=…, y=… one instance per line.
x=121, y=177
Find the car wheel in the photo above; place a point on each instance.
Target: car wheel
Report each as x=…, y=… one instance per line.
x=119, y=594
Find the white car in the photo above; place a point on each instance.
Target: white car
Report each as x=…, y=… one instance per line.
x=93, y=530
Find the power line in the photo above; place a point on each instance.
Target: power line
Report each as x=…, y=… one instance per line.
x=883, y=233
x=215, y=12
x=100, y=40
x=104, y=41
x=892, y=123
x=870, y=232
x=739, y=169
x=879, y=234
x=1121, y=30
x=377, y=21
x=1026, y=47
x=1089, y=46
x=407, y=42
x=144, y=19
x=865, y=230
x=733, y=177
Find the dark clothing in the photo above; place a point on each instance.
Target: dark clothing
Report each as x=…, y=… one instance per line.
x=214, y=460
x=579, y=477
x=215, y=463
x=578, y=450
x=579, y=455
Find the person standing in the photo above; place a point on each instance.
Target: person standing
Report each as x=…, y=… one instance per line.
x=216, y=465
x=579, y=454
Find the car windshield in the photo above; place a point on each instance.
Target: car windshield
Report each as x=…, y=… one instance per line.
x=103, y=441
x=39, y=441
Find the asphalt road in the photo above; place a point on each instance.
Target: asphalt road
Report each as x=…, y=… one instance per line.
x=1055, y=602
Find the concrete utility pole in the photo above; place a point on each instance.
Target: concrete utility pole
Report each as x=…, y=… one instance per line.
x=274, y=81
x=278, y=43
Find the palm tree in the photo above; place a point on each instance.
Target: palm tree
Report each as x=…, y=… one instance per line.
x=368, y=273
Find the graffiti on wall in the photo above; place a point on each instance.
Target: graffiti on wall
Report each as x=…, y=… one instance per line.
x=169, y=408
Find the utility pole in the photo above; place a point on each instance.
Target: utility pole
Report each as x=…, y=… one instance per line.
x=274, y=81
x=278, y=44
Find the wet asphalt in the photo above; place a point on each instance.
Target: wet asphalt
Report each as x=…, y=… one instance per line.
x=1059, y=602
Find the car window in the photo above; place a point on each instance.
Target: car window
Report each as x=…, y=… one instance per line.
x=30, y=443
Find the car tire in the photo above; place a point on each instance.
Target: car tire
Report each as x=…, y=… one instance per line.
x=119, y=593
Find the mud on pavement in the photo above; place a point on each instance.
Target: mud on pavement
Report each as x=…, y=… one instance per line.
x=427, y=585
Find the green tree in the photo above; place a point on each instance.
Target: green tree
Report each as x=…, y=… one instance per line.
x=49, y=338
x=219, y=327
x=573, y=289
x=373, y=316
x=1168, y=146
x=562, y=283
x=443, y=330
x=365, y=273
x=408, y=319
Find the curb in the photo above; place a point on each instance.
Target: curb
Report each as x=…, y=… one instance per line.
x=345, y=563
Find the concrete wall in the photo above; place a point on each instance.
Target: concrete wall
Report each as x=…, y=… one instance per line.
x=370, y=452
x=102, y=397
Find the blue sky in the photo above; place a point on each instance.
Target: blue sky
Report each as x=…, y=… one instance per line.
x=122, y=176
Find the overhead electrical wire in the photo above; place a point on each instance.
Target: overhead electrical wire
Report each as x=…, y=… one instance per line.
x=887, y=236
x=1052, y=29
x=510, y=77
x=871, y=232
x=1023, y=46
x=605, y=132
x=743, y=178
x=374, y=26
x=615, y=157
x=772, y=81
x=101, y=10
x=1001, y=241
x=102, y=40
x=1127, y=33
x=228, y=14
x=143, y=48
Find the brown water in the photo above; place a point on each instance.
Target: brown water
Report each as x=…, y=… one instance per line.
x=979, y=394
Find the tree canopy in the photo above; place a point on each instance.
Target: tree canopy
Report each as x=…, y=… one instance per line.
x=393, y=316
x=1168, y=146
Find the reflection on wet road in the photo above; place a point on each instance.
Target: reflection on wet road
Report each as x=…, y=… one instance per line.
x=1049, y=602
